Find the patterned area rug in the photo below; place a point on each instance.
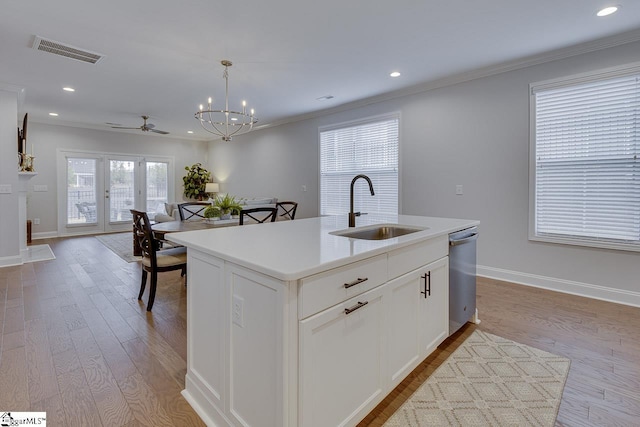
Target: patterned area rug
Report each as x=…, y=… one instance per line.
x=488, y=381
x=121, y=244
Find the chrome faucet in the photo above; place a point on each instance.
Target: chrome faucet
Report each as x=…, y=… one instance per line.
x=353, y=215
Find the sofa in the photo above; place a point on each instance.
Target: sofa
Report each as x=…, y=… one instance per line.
x=171, y=209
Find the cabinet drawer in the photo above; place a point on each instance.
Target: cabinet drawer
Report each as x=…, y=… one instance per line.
x=331, y=287
x=411, y=257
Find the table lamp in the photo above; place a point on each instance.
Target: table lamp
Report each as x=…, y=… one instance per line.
x=211, y=188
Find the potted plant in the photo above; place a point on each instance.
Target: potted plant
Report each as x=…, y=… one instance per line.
x=227, y=205
x=195, y=182
x=211, y=212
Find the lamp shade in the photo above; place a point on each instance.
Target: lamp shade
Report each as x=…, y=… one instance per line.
x=211, y=187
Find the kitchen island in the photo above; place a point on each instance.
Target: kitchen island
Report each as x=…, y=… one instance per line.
x=291, y=324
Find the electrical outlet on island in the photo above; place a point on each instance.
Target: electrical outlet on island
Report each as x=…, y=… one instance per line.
x=237, y=315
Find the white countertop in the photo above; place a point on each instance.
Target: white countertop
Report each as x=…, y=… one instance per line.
x=291, y=250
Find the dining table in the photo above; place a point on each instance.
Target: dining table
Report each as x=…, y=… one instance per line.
x=160, y=229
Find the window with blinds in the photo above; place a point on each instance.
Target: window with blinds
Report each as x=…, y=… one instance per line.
x=587, y=171
x=369, y=148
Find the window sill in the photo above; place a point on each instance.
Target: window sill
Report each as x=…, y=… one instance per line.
x=587, y=242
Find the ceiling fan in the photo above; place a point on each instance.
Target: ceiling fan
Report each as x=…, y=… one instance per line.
x=146, y=127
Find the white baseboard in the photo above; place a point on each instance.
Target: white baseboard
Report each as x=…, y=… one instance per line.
x=560, y=285
x=9, y=261
x=45, y=235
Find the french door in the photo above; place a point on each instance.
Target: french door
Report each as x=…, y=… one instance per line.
x=100, y=189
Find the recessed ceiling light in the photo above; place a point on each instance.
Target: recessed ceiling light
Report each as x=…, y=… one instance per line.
x=607, y=11
x=395, y=74
x=189, y=131
x=68, y=89
x=324, y=98
x=53, y=114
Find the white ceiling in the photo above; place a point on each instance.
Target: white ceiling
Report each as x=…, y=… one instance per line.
x=162, y=58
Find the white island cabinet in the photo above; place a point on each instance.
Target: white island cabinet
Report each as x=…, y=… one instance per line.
x=289, y=325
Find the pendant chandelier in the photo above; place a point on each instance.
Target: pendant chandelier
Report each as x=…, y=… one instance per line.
x=226, y=123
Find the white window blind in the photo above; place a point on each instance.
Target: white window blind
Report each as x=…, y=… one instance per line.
x=366, y=148
x=587, y=171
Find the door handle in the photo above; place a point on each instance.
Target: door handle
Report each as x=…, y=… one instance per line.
x=427, y=284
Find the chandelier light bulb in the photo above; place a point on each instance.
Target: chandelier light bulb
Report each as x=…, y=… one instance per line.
x=201, y=107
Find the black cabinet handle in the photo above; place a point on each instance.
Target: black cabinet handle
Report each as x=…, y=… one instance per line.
x=355, y=282
x=427, y=284
x=355, y=307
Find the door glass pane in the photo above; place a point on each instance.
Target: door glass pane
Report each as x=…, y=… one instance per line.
x=157, y=187
x=121, y=190
x=81, y=191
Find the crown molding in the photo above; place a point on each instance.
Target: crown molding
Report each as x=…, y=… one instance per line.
x=528, y=61
x=102, y=128
x=10, y=87
x=7, y=87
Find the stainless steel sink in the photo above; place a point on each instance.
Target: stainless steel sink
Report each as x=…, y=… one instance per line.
x=378, y=232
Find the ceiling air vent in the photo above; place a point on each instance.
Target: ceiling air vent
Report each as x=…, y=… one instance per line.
x=58, y=48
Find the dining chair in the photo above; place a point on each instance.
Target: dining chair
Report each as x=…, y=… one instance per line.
x=192, y=211
x=259, y=215
x=154, y=260
x=288, y=210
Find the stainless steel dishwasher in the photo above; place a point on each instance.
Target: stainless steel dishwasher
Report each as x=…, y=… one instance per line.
x=462, y=278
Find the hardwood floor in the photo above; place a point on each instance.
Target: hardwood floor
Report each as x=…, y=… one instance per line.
x=602, y=340
x=75, y=342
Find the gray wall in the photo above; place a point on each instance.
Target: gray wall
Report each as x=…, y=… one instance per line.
x=46, y=139
x=475, y=134
x=9, y=241
x=270, y=163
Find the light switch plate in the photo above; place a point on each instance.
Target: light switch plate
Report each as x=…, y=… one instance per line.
x=5, y=189
x=459, y=190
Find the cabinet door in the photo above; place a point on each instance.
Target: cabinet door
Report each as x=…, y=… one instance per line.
x=341, y=361
x=404, y=303
x=434, y=309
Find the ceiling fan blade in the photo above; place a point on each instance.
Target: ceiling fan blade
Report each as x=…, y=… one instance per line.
x=122, y=127
x=146, y=127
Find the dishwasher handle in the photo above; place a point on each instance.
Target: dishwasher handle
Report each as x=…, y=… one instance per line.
x=468, y=239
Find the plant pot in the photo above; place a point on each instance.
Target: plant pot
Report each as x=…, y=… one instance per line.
x=225, y=216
